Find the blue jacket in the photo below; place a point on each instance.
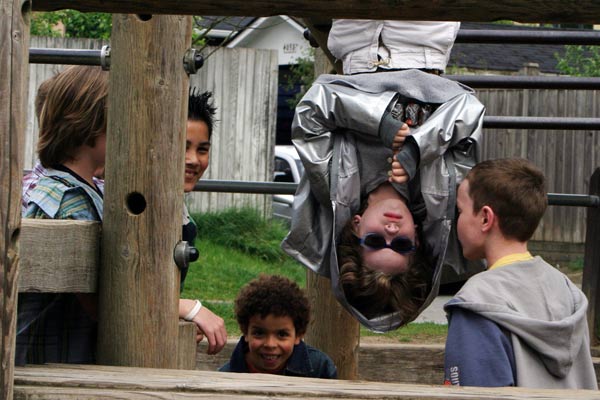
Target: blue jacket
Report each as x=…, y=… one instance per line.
x=305, y=361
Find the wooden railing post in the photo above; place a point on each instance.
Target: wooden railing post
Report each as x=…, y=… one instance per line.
x=143, y=205
x=14, y=70
x=332, y=330
x=591, y=262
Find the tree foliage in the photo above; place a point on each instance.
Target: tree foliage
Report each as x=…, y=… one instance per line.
x=579, y=61
x=76, y=24
x=302, y=73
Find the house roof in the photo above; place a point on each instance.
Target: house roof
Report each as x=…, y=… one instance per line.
x=223, y=28
x=504, y=57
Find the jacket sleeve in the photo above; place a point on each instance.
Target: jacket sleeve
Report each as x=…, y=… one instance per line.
x=455, y=127
x=322, y=110
x=478, y=352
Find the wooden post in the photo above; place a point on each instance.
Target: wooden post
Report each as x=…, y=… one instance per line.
x=333, y=330
x=14, y=69
x=147, y=113
x=591, y=263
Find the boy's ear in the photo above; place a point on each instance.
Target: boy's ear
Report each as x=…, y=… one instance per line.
x=488, y=218
x=298, y=338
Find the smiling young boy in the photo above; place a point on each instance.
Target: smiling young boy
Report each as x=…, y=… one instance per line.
x=522, y=322
x=273, y=314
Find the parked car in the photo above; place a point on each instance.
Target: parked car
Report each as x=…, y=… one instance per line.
x=288, y=168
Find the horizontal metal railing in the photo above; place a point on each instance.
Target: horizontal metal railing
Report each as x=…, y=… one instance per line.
x=527, y=82
x=225, y=186
x=518, y=36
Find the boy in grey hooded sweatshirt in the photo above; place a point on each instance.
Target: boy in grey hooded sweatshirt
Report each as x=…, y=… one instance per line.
x=521, y=322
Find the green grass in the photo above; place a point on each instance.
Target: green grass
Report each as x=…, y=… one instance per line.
x=422, y=333
x=238, y=245
x=576, y=265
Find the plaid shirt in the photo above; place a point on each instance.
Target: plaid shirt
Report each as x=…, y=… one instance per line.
x=31, y=179
x=56, y=327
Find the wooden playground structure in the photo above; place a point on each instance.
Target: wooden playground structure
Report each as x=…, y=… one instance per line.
x=138, y=283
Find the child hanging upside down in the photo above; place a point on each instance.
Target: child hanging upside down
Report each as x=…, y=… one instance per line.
x=375, y=208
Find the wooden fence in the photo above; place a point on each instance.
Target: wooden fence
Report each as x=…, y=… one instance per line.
x=567, y=158
x=244, y=83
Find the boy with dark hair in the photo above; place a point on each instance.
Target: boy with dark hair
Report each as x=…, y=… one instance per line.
x=200, y=123
x=273, y=314
x=521, y=322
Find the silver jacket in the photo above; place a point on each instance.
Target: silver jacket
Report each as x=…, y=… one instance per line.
x=335, y=131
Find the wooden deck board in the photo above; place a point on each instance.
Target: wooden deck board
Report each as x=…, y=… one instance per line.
x=88, y=382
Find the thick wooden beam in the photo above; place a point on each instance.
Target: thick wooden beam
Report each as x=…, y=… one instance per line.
x=14, y=58
x=584, y=11
x=92, y=382
x=58, y=256
x=143, y=206
x=591, y=263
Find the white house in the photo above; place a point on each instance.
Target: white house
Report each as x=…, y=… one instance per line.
x=281, y=33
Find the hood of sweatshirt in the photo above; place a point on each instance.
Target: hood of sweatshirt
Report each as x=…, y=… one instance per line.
x=534, y=301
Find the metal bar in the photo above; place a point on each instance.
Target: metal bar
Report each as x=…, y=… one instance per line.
x=94, y=57
x=64, y=56
x=574, y=200
x=224, y=186
x=527, y=82
x=515, y=36
x=541, y=123
x=211, y=185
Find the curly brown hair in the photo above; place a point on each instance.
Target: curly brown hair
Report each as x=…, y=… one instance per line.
x=374, y=293
x=272, y=295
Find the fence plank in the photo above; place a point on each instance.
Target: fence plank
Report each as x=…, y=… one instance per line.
x=567, y=158
x=244, y=84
